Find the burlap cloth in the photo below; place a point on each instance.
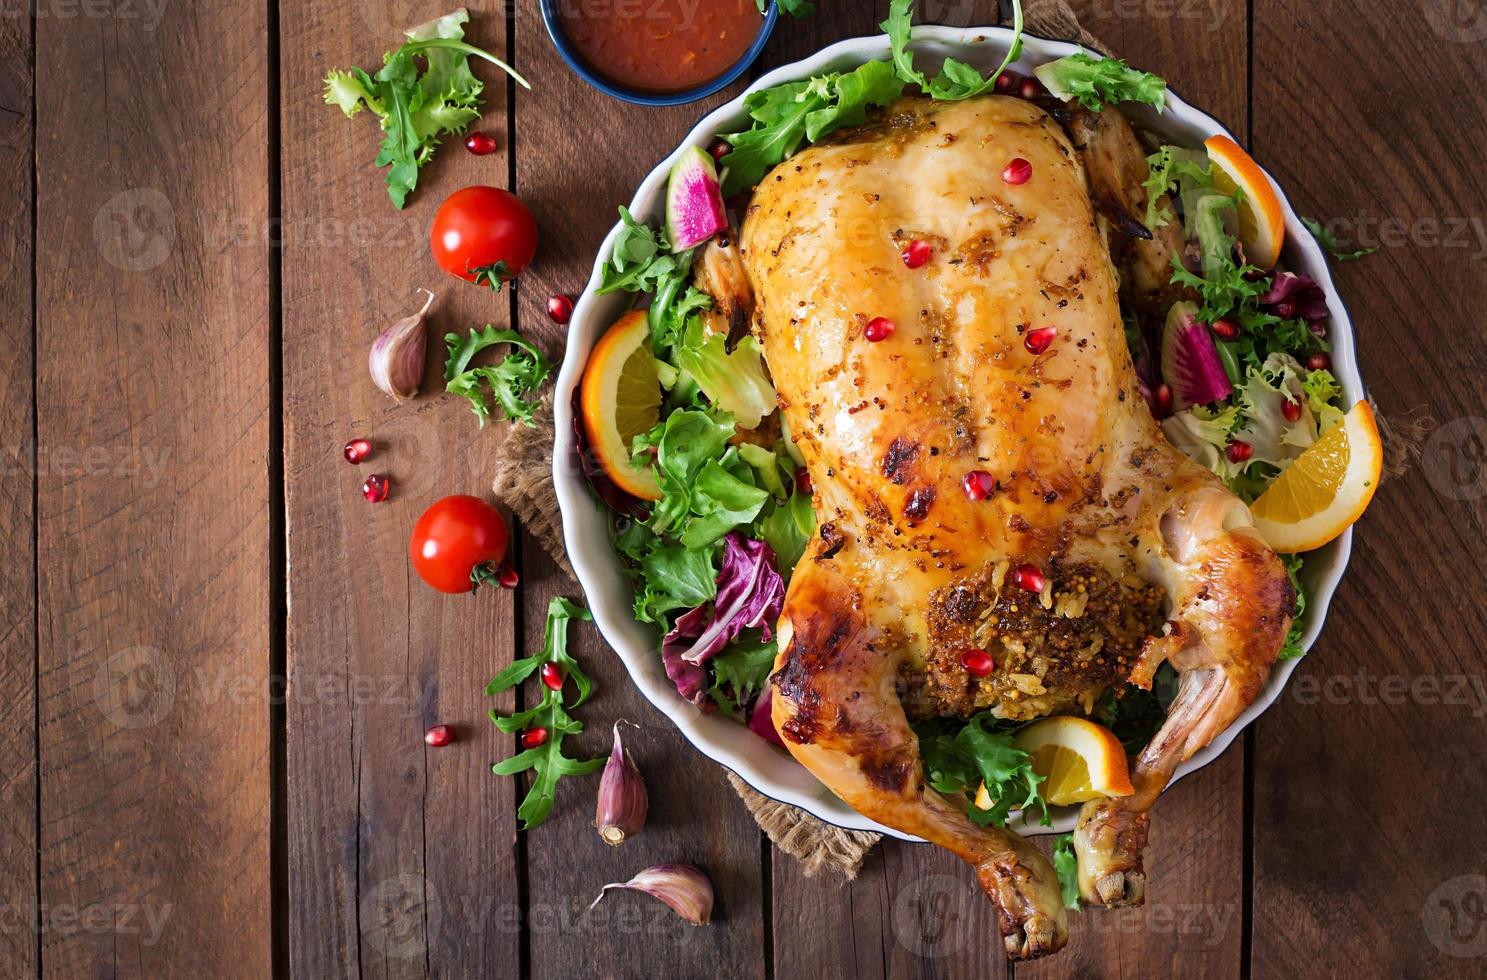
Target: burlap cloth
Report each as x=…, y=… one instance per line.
x=524, y=483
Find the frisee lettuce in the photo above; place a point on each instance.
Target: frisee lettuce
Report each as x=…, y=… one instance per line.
x=958, y=757
x=1174, y=169
x=417, y=109
x=547, y=760
x=1097, y=82
x=1293, y=649
x=512, y=384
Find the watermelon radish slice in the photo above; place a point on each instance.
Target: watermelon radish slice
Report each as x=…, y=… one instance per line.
x=1190, y=360
x=694, y=201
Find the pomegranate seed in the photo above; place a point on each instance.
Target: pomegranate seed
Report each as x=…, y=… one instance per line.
x=1225, y=329
x=978, y=484
x=917, y=253
x=1019, y=171
x=1239, y=451
x=719, y=149
x=559, y=308
x=1163, y=398
x=1030, y=88
x=1319, y=362
x=507, y=577
x=1291, y=410
x=1037, y=341
x=976, y=662
x=480, y=144
x=439, y=735
x=375, y=489
x=533, y=737
x=878, y=328
x=1285, y=309
x=803, y=481
x=358, y=450
x=552, y=676
x=1029, y=579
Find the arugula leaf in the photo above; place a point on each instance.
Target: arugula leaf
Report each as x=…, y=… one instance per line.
x=1293, y=649
x=787, y=115
x=1098, y=82
x=1329, y=242
x=513, y=383
x=1066, y=863
x=956, y=80
x=547, y=760
x=417, y=109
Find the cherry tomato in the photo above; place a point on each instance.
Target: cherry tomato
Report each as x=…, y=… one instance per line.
x=458, y=544
x=483, y=234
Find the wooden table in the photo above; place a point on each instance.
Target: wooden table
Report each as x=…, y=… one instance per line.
x=182, y=365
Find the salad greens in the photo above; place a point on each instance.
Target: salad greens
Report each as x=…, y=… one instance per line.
x=1066, y=863
x=1097, y=82
x=959, y=756
x=416, y=109
x=546, y=759
x=513, y=383
x=786, y=116
x=956, y=80
x=795, y=8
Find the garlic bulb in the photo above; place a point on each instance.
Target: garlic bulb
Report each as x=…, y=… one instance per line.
x=680, y=886
x=623, y=802
x=397, y=357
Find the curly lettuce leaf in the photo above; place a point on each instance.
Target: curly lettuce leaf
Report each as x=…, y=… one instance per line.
x=1095, y=82
x=1293, y=649
x=512, y=384
x=956, y=80
x=957, y=758
x=1328, y=241
x=1174, y=169
x=1066, y=864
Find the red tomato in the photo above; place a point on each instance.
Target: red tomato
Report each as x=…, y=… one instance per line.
x=479, y=227
x=458, y=543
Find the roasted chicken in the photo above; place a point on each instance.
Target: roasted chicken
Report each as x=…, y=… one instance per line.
x=983, y=481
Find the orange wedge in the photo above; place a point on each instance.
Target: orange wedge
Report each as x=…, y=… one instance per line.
x=1326, y=489
x=1262, y=225
x=620, y=398
x=1078, y=760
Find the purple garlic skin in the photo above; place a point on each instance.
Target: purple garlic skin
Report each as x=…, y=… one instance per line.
x=623, y=802
x=684, y=888
x=397, y=357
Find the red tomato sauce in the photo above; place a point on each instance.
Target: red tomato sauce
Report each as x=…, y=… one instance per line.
x=660, y=45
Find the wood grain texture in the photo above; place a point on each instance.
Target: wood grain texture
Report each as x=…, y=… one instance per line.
x=152, y=381
x=580, y=154
x=1367, y=821
x=401, y=857
x=18, y=787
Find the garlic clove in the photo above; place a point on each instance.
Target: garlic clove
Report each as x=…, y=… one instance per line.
x=681, y=886
x=397, y=357
x=623, y=802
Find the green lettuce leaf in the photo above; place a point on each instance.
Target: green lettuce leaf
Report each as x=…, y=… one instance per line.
x=1095, y=82
x=512, y=384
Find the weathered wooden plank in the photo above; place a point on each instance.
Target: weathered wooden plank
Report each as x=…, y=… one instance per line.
x=580, y=154
x=18, y=946
x=153, y=415
x=1369, y=773
x=401, y=857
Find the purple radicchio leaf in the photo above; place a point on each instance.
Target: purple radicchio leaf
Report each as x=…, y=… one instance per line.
x=689, y=678
x=1298, y=295
x=761, y=719
x=750, y=595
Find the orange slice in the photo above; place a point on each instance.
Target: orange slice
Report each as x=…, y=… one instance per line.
x=1262, y=225
x=620, y=399
x=1078, y=760
x=1326, y=488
